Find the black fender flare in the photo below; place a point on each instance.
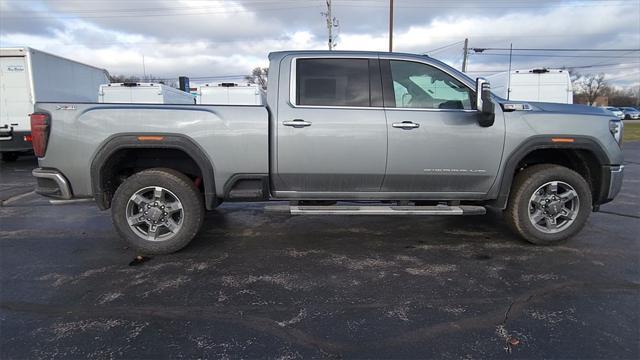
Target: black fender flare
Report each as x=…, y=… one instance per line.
x=544, y=142
x=158, y=141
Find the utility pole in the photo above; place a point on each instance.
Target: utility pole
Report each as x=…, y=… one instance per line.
x=464, y=56
x=390, y=25
x=144, y=69
x=509, y=76
x=331, y=23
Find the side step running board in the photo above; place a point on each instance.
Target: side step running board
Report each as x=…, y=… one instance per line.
x=387, y=210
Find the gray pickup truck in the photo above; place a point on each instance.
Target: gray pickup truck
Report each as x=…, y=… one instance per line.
x=343, y=133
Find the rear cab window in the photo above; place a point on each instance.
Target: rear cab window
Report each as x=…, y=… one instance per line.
x=337, y=82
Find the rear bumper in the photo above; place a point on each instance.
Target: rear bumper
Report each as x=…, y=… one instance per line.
x=14, y=141
x=52, y=183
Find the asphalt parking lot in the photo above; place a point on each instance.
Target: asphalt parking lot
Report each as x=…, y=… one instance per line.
x=258, y=284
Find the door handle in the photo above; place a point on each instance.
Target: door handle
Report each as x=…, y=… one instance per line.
x=407, y=125
x=297, y=123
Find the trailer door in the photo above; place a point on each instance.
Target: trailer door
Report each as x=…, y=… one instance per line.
x=15, y=97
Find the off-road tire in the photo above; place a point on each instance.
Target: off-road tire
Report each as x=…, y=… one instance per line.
x=525, y=184
x=174, y=181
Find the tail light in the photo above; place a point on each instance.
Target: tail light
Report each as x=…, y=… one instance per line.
x=40, y=125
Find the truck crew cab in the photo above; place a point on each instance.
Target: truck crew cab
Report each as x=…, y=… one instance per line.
x=404, y=130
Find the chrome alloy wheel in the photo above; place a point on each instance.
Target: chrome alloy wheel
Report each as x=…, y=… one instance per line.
x=553, y=207
x=155, y=213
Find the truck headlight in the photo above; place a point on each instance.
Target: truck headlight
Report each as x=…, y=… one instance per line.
x=616, y=127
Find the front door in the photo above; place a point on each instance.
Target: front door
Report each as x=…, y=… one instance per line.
x=332, y=133
x=435, y=142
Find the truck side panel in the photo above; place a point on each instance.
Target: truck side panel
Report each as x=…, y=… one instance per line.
x=234, y=138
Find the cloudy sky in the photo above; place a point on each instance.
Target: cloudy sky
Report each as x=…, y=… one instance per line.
x=228, y=38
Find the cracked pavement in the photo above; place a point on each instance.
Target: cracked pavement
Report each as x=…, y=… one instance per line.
x=258, y=284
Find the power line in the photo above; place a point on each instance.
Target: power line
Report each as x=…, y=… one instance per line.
x=480, y=50
x=443, y=47
x=136, y=15
x=612, y=66
x=561, y=56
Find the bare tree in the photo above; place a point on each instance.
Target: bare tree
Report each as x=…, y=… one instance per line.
x=123, y=78
x=591, y=86
x=134, y=79
x=258, y=76
x=623, y=96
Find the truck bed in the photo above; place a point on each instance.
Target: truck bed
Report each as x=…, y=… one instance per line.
x=234, y=138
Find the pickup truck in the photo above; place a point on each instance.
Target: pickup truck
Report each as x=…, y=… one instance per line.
x=342, y=133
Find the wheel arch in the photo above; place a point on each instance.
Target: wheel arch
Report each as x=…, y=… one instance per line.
x=149, y=142
x=583, y=154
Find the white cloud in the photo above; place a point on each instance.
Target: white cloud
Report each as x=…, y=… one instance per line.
x=231, y=37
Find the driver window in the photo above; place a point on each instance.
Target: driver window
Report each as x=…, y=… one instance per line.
x=418, y=85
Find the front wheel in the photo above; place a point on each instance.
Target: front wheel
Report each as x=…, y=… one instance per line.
x=157, y=211
x=548, y=204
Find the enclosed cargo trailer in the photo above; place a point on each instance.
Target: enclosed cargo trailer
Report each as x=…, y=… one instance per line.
x=28, y=76
x=143, y=93
x=230, y=94
x=543, y=85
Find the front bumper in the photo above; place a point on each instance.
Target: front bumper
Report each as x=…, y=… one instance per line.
x=615, y=181
x=14, y=141
x=610, y=185
x=52, y=183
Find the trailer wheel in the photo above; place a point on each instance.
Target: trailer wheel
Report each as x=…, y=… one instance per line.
x=548, y=204
x=157, y=211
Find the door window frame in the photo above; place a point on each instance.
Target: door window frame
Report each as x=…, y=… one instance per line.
x=386, y=83
x=293, y=82
x=389, y=93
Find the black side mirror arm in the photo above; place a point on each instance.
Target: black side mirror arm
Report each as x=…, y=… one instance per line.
x=484, y=104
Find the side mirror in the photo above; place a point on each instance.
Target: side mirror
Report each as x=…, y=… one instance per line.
x=484, y=105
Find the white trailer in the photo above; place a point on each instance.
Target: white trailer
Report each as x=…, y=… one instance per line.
x=230, y=94
x=28, y=76
x=544, y=85
x=143, y=93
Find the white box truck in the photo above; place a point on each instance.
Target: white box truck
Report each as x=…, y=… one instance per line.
x=28, y=76
x=143, y=93
x=230, y=94
x=543, y=85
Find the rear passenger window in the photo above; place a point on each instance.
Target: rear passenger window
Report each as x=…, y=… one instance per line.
x=332, y=82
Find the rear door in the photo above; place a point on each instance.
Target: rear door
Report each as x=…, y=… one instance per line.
x=331, y=128
x=15, y=96
x=435, y=143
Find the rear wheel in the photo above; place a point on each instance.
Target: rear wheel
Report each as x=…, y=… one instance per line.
x=157, y=211
x=548, y=204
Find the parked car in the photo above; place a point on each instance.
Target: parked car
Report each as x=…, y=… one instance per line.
x=630, y=113
x=27, y=76
x=617, y=112
x=403, y=134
